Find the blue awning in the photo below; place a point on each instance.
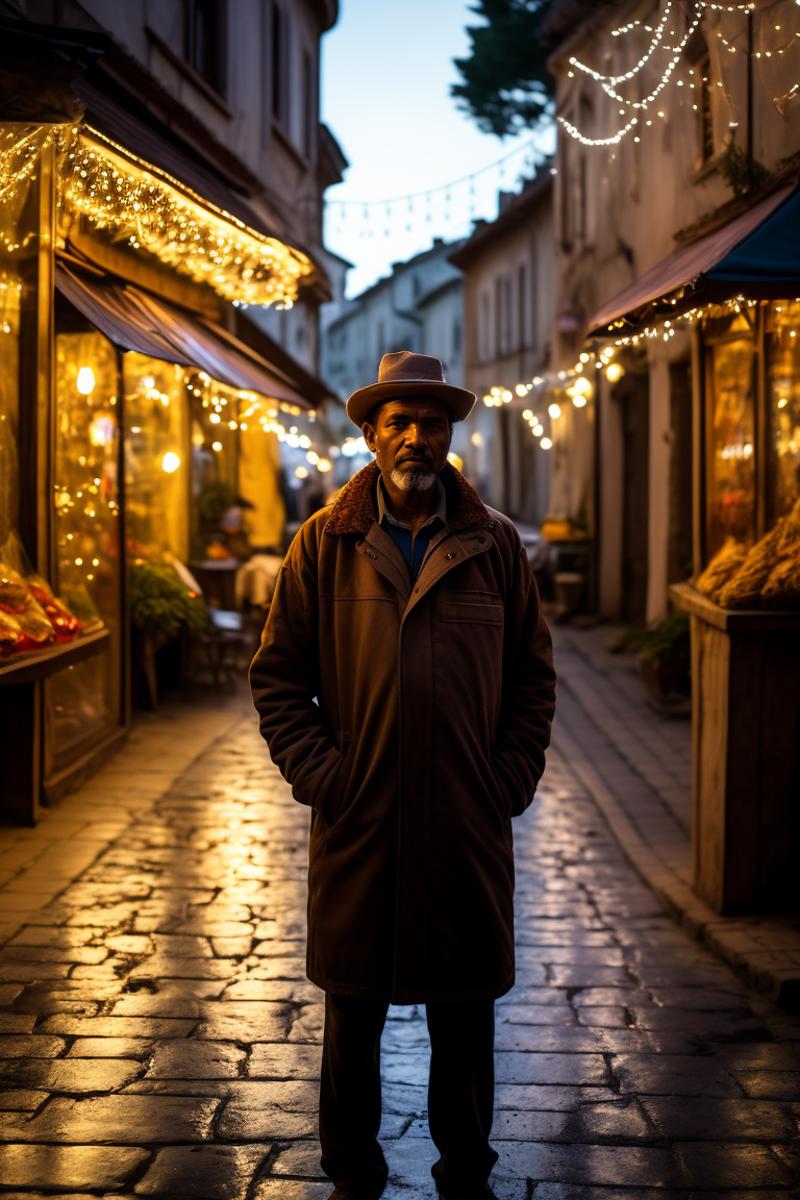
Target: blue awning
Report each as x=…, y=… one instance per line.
x=758, y=251
x=770, y=255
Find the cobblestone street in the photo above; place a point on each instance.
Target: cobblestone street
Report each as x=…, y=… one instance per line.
x=159, y=1037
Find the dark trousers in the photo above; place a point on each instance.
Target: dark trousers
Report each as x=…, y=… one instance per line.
x=460, y=1092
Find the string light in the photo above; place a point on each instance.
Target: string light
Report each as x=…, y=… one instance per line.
x=608, y=82
x=573, y=381
x=611, y=80
x=100, y=182
x=773, y=52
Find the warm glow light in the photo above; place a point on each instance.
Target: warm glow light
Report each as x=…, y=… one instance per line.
x=170, y=462
x=131, y=200
x=301, y=472
x=545, y=443
x=455, y=460
x=477, y=438
x=85, y=382
x=554, y=410
x=216, y=447
x=614, y=372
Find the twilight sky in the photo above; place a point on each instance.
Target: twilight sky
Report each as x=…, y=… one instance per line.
x=386, y=71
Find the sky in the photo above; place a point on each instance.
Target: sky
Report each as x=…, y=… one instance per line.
x=386, y=74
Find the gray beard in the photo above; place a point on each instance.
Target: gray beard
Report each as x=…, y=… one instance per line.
x=413, y=481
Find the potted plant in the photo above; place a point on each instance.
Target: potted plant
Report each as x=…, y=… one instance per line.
x=664, y=659
x=161, y=607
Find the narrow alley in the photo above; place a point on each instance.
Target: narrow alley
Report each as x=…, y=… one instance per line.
x=159, y=1037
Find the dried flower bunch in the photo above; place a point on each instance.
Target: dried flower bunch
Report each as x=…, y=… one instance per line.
x=765, y=576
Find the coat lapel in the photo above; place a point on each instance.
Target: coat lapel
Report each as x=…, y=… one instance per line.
x=380, y=550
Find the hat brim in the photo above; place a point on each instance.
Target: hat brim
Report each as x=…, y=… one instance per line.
x=360, y=404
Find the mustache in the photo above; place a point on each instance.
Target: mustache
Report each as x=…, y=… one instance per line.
x=416, y=458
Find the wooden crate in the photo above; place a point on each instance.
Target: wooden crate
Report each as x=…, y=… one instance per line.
x=745, y=755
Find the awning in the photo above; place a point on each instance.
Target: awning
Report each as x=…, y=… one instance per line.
x=134, y=320
x=758, y=247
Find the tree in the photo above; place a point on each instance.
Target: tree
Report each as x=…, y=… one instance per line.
x=506, y=86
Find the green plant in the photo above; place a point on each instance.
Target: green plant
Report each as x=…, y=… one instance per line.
x=664, y=653
x=213, y=501
x=160, y=602
x=741, y=172
x=669, y=639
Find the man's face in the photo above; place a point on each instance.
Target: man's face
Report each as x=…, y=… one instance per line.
x=410, y=440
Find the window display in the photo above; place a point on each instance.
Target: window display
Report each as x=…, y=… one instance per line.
x=18, y=161
x=783, y=407
x=215, y=437
x=156, y=458
x=83, y=701
x=731, y=458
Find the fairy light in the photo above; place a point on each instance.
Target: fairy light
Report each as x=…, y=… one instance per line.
x=113, y=191
x=611, y=80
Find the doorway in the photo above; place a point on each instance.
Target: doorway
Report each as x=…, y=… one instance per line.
x=632, y=394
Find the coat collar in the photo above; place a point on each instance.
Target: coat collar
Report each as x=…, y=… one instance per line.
x=355, y=510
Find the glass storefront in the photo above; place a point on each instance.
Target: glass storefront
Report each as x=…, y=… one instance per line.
x=157, y=466
x=783, y=407
x=18, y=243
x=731, y=461
x=85, y=701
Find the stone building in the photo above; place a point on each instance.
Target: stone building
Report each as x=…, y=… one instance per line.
x=162, y=170
x=387, y=316
x=508, y=278
x=710, y=157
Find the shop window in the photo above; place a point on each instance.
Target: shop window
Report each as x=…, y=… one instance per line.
x=12, y=236
x=731, y=458
x=84, y=702
x=215, y=460
x=783, y=407
x=156, y=454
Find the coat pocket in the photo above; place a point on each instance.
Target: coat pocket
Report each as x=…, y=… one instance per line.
x=483, y=607
x=333, y=803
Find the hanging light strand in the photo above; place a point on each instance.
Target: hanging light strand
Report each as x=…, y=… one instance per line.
x=98, y=182
x=612, y=80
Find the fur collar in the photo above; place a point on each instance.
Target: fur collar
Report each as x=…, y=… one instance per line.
x=355, y=508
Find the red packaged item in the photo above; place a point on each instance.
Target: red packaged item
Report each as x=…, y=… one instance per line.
x=11, y=635
x=17, y=601
x=65, y=623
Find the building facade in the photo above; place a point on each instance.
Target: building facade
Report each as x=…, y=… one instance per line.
x=387, y=316
x=717, y=137
x=418, y=306
x=161, y=274
x=508, y=277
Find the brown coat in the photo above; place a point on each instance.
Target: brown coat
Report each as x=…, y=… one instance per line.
x=435, y=702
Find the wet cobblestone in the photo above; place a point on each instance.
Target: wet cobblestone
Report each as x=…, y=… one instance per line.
x=158, y=1036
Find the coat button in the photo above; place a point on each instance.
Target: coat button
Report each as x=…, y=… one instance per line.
x=449, y=555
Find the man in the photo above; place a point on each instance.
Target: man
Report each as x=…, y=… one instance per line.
x=405, y=688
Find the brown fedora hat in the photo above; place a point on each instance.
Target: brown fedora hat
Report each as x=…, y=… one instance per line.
x=404, y=373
